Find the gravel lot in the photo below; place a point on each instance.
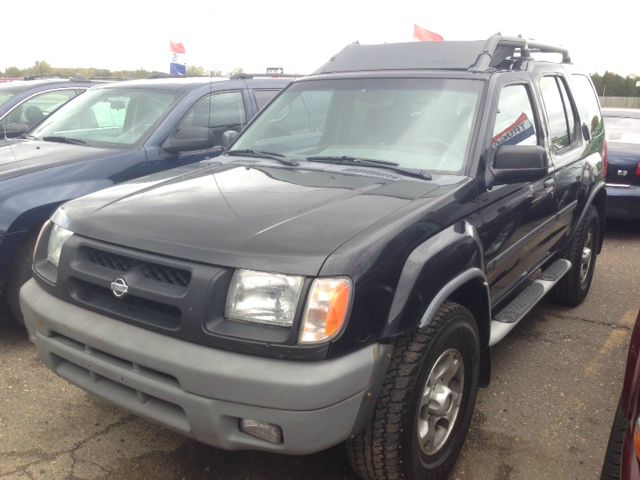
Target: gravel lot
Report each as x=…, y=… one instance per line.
x=546, y=415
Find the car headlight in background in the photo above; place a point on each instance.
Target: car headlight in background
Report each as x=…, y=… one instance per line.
x=326, y=310
x=267, y=298
x=57, y=237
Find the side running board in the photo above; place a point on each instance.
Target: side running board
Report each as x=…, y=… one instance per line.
x=511, y=315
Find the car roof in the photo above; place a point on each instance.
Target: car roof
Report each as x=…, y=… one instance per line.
x=497, y=53
x=19, y=86
x=621, y=112
x=189, y=83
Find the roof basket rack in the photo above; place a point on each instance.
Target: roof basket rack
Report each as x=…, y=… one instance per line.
x=496, y=53
x=500, y=51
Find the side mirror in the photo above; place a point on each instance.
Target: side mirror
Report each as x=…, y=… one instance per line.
x=228, y=138
x=188, y=139
x=586, y=134
x=519, y=163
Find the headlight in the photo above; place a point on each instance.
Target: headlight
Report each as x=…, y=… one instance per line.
x=326, y=310
x=57, y=237
x=267, y=298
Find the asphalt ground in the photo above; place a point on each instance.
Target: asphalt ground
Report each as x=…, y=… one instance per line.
x=546, y=415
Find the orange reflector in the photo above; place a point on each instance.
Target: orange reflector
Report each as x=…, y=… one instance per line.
x=326, y=309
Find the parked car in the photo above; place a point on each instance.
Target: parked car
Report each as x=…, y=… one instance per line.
x=26, y=103
x=622, y=127
x=114, y=133
x=343, y=270
x=622, y=459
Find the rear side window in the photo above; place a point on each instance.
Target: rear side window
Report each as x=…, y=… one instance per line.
x=559, y=112
x=264, y=96
x=587, y=102
x=515, y=123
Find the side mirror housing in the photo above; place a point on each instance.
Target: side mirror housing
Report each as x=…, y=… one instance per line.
x=519, y=163
x=188, y=139
x=228, y=137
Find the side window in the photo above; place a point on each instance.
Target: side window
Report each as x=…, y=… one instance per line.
x=569, y=111
x=218, y=112
x=559, y=124
x=264, y=96
x=515, y=123
x=587, y=100
x=37, y=108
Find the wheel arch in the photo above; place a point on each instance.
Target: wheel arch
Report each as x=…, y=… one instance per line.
x=430, y=278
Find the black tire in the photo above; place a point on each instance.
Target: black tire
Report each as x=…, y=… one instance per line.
x=572, y=290
x=613, y=458
x=388, y=447
x=19, y=274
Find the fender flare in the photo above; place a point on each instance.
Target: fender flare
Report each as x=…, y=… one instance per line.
x=448, y=290
x=429, y=278
x=592, y=195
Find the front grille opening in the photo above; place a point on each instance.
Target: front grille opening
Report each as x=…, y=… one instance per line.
x=131, y=307
x=154, y=408
x=116, y=361
x=152, y=271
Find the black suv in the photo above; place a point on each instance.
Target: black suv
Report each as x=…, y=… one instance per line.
x=342, y=272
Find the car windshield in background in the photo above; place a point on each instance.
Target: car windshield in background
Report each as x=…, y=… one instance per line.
x=108, y=117
x=420, y=124
x=622, y=129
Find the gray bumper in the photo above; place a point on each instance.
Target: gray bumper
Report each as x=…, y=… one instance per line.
x=201, y=392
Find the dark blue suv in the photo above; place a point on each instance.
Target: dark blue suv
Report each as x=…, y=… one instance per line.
x=25, y=103
x=113, y=133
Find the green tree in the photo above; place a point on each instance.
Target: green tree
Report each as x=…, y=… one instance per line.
x=41, y=68
x=195, y=71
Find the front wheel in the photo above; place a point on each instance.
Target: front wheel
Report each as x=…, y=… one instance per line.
x=425, y=405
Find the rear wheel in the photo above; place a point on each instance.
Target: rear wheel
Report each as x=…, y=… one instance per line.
x=424, y=409
x=581, y=252
x=19, y=274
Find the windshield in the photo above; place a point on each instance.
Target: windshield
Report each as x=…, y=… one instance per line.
x=5, y=97
x=622, y=129
x=109, y=117
x=416, y=123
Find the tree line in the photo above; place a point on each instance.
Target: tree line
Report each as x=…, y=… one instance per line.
x=42, y=69
x=608, y=84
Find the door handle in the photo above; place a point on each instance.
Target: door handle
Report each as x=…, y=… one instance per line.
x=549, y=183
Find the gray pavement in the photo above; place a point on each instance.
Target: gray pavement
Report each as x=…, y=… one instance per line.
x=546, y=415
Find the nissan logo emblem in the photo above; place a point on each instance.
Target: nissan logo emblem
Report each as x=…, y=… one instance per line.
x=119, y=287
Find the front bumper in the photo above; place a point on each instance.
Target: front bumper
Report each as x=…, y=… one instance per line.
x=202, y=392
x=623, y=202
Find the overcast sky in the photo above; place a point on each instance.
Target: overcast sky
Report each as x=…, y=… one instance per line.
x=297, y=35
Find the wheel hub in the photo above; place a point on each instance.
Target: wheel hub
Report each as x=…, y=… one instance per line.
x=440, y=401
x=587, y=255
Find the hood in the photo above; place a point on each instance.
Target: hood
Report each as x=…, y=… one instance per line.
x=259, y=217
x=24, y=156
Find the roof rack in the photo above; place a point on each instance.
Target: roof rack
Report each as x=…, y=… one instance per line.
x=248, y=76
x=500, y=51
x=496, y=53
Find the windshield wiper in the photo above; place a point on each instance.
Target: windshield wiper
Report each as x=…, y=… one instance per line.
x=260, y=154
x=55, y=138
x=369, y=162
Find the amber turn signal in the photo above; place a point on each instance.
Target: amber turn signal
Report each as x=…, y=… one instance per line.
x=326, y=310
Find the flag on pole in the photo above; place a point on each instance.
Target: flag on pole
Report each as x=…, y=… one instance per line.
x=178, y=65
x=424, y=35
